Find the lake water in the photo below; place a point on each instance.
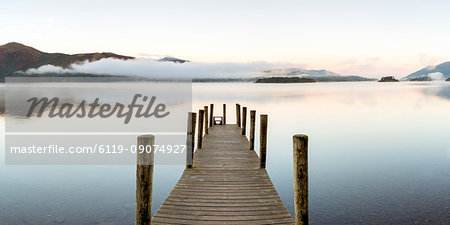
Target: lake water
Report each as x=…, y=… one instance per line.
x=379, y=154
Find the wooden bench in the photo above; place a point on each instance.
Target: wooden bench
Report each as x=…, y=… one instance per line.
x=218, y=120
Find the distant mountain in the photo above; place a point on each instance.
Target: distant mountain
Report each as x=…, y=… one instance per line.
x=285, y=80
x=172, y=59
x=425, y=78
x=299, y=72
x=341, y=78
x=18, y=57
x=443, y=68
x=317, y=75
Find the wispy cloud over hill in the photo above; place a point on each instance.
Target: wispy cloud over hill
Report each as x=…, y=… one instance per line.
x=157, y=69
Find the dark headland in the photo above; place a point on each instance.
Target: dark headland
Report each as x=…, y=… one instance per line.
x=388, y=79
x=312, y=79
x=285, y=80
x=421, y=79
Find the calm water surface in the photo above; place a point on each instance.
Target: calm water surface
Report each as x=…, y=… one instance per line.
x=379, y=154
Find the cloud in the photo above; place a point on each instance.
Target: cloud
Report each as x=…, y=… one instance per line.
x=436, y=76
x=430, y=67
x=155, y=69
x=49, y=69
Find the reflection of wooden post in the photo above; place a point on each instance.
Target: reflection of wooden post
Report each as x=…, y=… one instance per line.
x=192, y=119
x=238, y=115
x=301, y=179
x=201, y=115
x=206, y=120
x=252, y=129
x=244, y=120
x=263, y=141
x=144, y=179
x=211, y=115
x=224, y=114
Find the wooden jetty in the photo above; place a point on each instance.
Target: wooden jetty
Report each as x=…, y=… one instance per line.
x=225, y=182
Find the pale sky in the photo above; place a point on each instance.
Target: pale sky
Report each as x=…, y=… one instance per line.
x=349, y=37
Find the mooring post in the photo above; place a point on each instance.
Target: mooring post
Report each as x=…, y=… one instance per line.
x=190, y=140
x=238, y=115
x=263, y=140
x=252, y=129
x=211, y=115
x=201, y=115
x=301, y=179
x=244, y=120
x=144, y=179
x=206, y=120
x=224, y=114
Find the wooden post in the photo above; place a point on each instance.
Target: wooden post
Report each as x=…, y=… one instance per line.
x=201, y=115
x=190, y=141
x=252, y=129
x=211, y=115
x=244, y=120
x=224, y=114
x=263, y=140
x=206, y=120
x=238, y=115
x=144, y=179
x=301, y=179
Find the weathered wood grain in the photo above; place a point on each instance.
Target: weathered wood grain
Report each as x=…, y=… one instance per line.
x=206, y=120
x=224, y=113
x=225, y=186
x=238, y=115
x=263, y=140
x=201, y=115
x=252, y=129
x=211, y=115
x=244, y=120
x=300, y=144
x=144, y=180
x=190, y=141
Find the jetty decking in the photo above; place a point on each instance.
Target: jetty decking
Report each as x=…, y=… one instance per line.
x=225, y=186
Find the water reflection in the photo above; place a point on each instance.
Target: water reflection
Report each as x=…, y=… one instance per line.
x=379, y=154
x=444, y=92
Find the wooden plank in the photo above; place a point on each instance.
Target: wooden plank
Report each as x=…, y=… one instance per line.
x=163, y=220
x=219, y=213
x=225, y=186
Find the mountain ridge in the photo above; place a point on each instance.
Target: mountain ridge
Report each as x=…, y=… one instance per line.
x=443, y=68
x=16, y=57
x=299, y=72
x=173, y=59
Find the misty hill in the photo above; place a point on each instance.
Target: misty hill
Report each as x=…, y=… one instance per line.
x=18, y=57
x=443, y=68
x=425, y=78
x=309, y=79
x=299, y=72
x=172, y=59
x=317, y=75
x=341, y=78
x=285, y=80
